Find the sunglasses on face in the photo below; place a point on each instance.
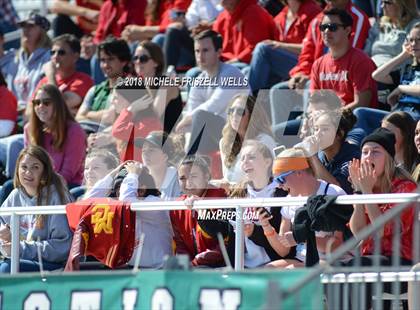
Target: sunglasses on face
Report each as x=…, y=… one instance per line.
x=333, y=27
x=142, y=59
x=281, y=178
x=46, y=102
x=237, y=111
x=59, y=52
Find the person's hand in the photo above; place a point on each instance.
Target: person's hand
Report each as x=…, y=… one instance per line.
x=248, y=229
x=6, y=249
x=132, y=33
x=134, y=167
x=264, y=218
x=368, y=178
x=298, y=81
x=189, y=201
x=407, y=50
x=354, y=174
x=200, y=28
x=183, y=124
x=310, y=145
x=287, y=239
x=99, y=140
x=141, y=104
x=5, y=234
x=49, y=69
x=394, y=96
x=91, y=15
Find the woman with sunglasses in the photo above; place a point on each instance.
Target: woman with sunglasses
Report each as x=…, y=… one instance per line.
x=295, y=175
x=387, y=35
x=153, y=107
x=37, y=184
x=52, y=127
x=246, y=121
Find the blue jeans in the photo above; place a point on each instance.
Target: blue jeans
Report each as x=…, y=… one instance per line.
x=28, y=266
x=269, y=65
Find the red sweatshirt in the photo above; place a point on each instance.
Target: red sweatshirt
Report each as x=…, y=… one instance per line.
x=164, y=14
x=296, y=32
x=243, y=29
x=313, y=46
x=114, y=18
x=126, y=129
x=191, y=239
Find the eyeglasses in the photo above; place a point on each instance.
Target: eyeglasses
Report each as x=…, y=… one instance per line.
x=59, y=52
x=281, y=178
x=46, y=102
x=237, y=111
x=385, y=2
x=142, y=59
x=333, y=27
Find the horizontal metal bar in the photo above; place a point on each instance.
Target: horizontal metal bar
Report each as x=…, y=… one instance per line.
x=370, y=277
x=228, y=203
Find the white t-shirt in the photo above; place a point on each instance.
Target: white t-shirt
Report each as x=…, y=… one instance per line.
x=289, y=213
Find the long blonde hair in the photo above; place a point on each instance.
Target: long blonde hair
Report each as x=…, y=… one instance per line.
x=231, y=143
x=391, y=172
x=408, y=12
x=43, y=42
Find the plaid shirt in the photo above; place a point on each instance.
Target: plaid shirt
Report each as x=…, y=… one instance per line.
x=8, y=13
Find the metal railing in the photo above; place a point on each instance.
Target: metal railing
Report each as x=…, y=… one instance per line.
x=239, y=204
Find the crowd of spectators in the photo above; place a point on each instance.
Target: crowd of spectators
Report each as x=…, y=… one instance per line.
x=103, y=106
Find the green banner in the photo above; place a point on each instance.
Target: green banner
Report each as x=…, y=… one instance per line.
x=200, y=289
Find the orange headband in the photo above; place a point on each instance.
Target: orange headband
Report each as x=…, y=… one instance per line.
x=284, y=164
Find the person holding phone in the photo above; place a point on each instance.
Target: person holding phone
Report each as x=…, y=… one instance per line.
x=294, y=174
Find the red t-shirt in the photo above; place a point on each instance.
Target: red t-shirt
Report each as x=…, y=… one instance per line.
x=407, y=220
x=78, y=83
x=313, y=46
x=297, y=30
x=243, y=29
x=8, y=105
x=344, y=75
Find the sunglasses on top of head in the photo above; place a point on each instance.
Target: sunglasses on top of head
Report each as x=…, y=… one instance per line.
x=333, y=27
x=142, y=59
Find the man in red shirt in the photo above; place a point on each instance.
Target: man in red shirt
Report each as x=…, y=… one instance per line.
x=190, y=239
x=242, y=25
x=344, y=69
x=61, y=71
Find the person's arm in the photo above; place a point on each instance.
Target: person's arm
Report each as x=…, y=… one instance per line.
x=133, y=33
x=294, y=48
x=163, y=97
x=102, y=188
x=361, y=99
x=87, y=103
x=73, y=101
x=66, y=8
x=329, y=242
x=358, y=218
x=129, y=187
x=321, y=172
x=273, y=239
x=382, y=74
x=56, y=246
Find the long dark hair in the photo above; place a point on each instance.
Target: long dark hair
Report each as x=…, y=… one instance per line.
x=404, y=122
x=49, y=177
x=2, y=80
x=61, y=115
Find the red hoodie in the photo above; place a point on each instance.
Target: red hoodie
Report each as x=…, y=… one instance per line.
x=243, y=29
x=164, y=14
x=313, y=46
x=191, y=239
x=296, y=32
x=114, y=18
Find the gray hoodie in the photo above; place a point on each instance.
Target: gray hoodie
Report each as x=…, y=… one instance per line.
x=53, y=230
x=23, y=73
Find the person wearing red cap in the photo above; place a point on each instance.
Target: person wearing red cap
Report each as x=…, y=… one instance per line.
x=294, y=174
